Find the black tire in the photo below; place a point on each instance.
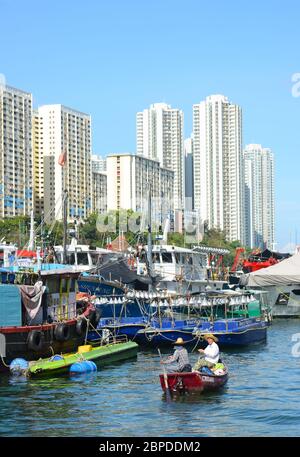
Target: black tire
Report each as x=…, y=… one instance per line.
x=94, y=317
x=62, y=332
x=35, y=340
x=81, y=326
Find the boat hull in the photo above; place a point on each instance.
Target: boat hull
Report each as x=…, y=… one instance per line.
x=101, y=355
x=166, y=337
x=16, y=342
x=192, y=382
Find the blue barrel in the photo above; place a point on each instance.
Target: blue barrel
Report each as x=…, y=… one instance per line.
x=18, y=366
x=85, y=366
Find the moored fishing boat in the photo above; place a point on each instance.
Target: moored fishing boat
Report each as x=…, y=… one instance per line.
x=235, y=317
x=195, y=381
x=62, y=363
x=38, y=312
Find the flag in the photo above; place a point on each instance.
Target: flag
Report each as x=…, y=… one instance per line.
x=62, y=158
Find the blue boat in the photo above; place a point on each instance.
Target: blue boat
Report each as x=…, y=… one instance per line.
x=234, y=332
x=235, y=317
x=95, y=285
x=230, y=332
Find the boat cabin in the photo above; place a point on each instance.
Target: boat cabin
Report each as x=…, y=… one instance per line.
x=29, y=296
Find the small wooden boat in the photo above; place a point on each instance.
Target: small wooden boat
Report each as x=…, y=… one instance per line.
x=192, y=382
x=61, y=363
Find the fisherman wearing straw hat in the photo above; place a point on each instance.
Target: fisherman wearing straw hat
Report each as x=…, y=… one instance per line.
x=211, y=353
x=179, y=361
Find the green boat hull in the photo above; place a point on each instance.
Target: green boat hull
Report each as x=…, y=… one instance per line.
x=101, y=355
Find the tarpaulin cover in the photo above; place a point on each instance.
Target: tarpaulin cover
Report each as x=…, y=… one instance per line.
x=285, y=272
x=32, y=297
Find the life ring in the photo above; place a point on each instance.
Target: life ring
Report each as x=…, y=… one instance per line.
x=81, y=326
x=94, y=317
x=35, y=340
x=62, y=332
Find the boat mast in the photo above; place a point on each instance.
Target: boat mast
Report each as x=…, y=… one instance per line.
x=31, y=237
x=149, y=253
x=65, y=203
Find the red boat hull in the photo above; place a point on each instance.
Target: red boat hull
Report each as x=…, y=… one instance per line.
x=192, y=382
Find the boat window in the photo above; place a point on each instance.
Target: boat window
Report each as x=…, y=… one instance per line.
x=296, y=291
x=52, y=285
x=95, y=257
x=283, y=299
x=64, y=285
x=190, y=260
x=82, y=258
x=177, y=257
x=143, y=257
x=155, y=258
x=72, y=285
x=166, y=257
x=71, y=258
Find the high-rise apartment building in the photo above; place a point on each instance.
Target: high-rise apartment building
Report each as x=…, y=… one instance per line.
x=65, y=146
x=129, y=179
x=218, y=172
x=189, y=174
x=16, y=166
x=98, y=163
x=160, y=137
x=38, y=166
x=99, y=192
x=259, y=197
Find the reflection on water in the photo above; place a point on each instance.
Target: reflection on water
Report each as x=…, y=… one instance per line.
x=261, y=398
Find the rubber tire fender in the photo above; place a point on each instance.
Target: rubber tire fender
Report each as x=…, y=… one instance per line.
x=81, y=326
x=62, y=332
x=35, y=340
x=94, y=317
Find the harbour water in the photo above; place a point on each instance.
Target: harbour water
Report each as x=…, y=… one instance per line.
x=261, y=398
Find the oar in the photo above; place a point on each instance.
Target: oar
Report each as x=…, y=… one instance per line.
x=168, y=393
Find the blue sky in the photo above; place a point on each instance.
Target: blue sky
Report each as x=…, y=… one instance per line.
x=114, y=58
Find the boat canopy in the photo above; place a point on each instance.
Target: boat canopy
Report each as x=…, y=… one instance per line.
x=285, y=272
x=117, y=270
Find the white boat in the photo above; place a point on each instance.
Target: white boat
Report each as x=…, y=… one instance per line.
x=82, y=255
x=182, y=271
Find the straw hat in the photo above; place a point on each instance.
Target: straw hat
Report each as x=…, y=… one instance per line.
x=210, y=335
x=179, y=342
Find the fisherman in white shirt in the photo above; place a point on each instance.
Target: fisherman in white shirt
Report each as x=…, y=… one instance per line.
x=211, y=353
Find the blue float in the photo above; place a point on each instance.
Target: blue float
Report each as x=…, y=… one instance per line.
x=84, y=366
x=56, y=357
x=18, y=366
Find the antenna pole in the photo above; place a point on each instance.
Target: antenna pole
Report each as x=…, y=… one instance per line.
x=65, y=200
